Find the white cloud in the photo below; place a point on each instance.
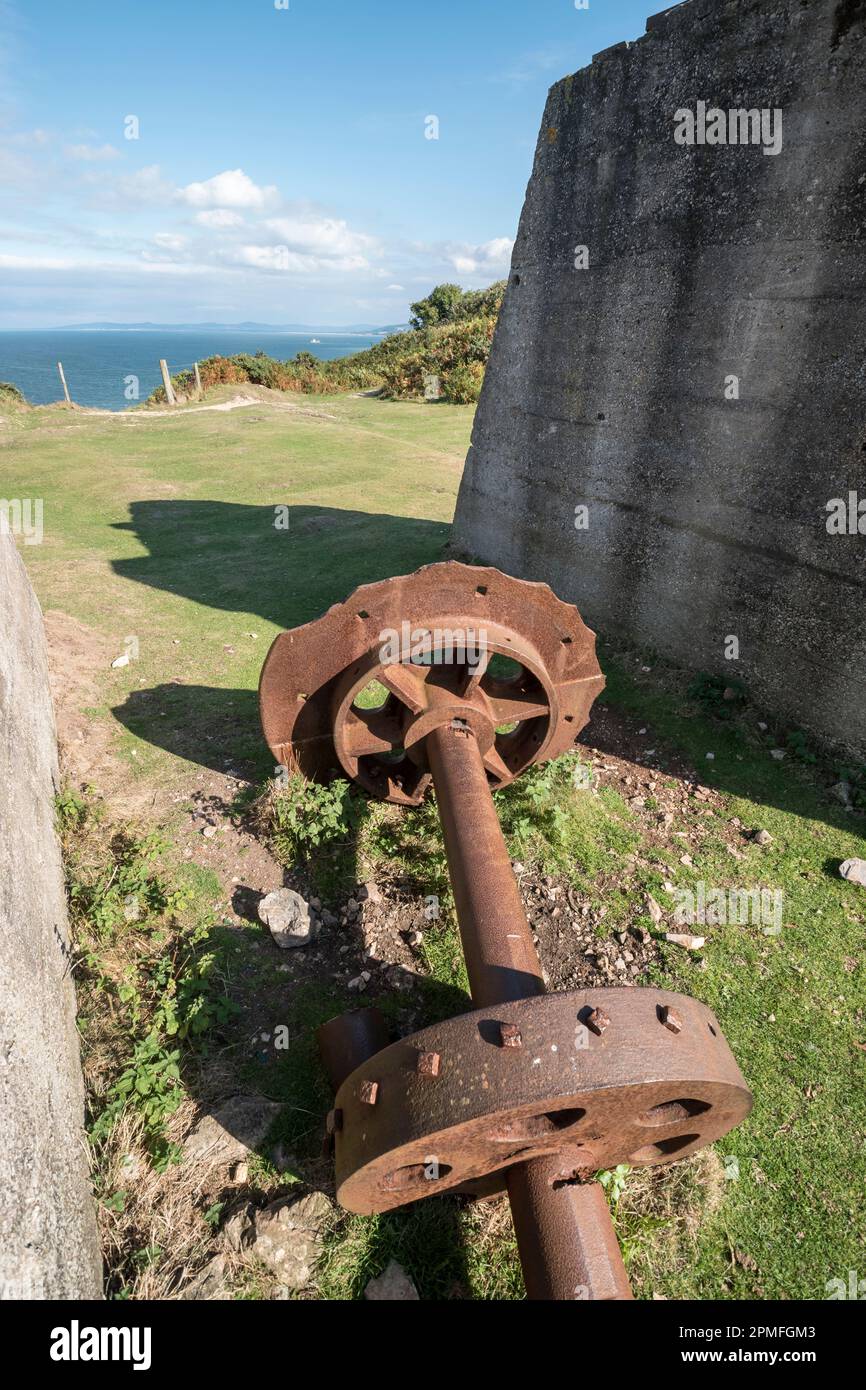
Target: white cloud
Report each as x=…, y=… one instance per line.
x=144, y=186
x=218, y=218
x=167, y=241
x=396, y=287
x=329, y=236
x=489, y=257
x=230, y=189
x=37, y=263
x=283, y=258
x=92, y=154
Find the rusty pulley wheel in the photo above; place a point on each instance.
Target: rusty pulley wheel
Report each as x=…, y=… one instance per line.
x=357, y=692
x=595, y=1078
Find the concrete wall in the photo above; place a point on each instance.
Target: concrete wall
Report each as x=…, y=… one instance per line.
x=606, y=386
x=48, y=1238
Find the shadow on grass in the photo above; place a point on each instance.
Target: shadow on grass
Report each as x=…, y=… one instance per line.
x=232, y=557
x=426, y=1237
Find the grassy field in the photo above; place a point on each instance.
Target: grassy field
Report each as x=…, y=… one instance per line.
x=162, y=530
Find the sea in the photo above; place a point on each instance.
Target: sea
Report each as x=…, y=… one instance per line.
x=104, y=367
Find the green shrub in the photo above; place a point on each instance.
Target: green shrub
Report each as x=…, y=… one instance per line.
x=11, y=398
x=306, y=816
x=462, y=385
x=451, y=341
x=152, y=951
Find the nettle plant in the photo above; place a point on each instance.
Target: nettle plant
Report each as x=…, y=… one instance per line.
x=307, y=816
x=154, y=950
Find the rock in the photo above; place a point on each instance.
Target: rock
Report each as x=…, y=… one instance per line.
x=729, y=693
x=287, y=916
x=416, y=938
x=762, y=726
x=209, y=831
x=777, y=753
x=237, y=1230
x=393, y=1285
x=854, y=870
x=653, y=909
x=691, y=943
x=352, y=905
x=283, y=1159
x=240, y=1172
x=329, y=920
x=842, y=792
x=287, y=1237
x=240, y=1124
x=208, y=1283
x=368, y=892
x=762, y=837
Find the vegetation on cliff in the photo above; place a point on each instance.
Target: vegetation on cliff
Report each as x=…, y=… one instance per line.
x=441, y=357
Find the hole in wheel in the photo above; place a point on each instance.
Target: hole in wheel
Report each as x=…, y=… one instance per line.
x=415, y=1175
x=671, y=1111
x=504, y=669
x=665, y=1148
x=373, y=696
x=564, y=1119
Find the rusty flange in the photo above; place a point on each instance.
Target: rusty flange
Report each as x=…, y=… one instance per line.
x=597, y=1078
x=450, y=643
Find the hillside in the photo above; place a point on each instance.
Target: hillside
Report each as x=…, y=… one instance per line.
x=443, y=356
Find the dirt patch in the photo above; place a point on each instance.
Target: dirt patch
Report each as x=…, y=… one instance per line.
x=76, y=654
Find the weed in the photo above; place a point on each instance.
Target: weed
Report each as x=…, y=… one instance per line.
x=717, y=695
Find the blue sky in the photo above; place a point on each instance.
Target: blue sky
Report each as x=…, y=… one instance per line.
x=281, y=170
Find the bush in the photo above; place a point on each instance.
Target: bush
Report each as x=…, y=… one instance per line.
x=462, y=385
x=11, y=398
x=451, y=341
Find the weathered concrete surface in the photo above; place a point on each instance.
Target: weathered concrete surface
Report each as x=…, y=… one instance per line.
x=48, y=1238
x=707, y=517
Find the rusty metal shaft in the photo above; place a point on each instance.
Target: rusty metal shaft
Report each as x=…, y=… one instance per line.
x=565, y=1236
x=501, y=959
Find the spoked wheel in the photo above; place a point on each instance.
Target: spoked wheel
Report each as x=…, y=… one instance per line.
x=357, y=692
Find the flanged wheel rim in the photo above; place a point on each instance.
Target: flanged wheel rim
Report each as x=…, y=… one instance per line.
x=314, y=674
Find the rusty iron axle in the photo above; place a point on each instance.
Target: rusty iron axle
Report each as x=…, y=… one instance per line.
x=531, y=1093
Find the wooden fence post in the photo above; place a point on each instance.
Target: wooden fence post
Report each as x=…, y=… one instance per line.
x=65, y=387
x=197, y=379
x=166, y=381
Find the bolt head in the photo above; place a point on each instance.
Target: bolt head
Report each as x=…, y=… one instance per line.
x=334, y=1121
x=369, y=1092
x=671, y=1019
x=509, y=1034
x=597, y=1020
x=428, y=1064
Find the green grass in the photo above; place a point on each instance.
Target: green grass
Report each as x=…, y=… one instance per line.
x=163, y=529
